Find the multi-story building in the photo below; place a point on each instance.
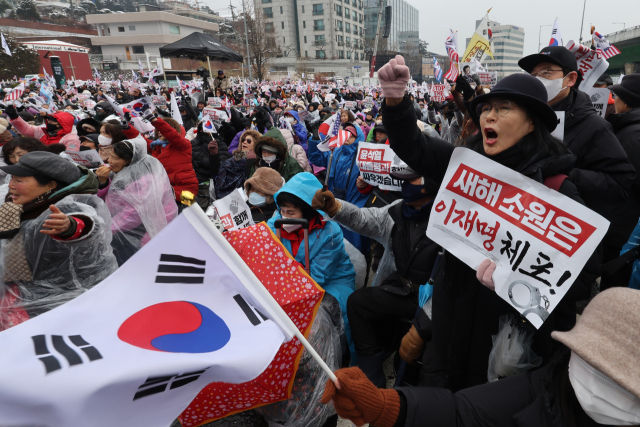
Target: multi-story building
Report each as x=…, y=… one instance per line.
x=328, y=35
x=428, y=70
x=508, y=48
x=126, y=37
x=404, y=29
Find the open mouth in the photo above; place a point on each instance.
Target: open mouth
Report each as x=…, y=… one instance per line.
x=490, y=135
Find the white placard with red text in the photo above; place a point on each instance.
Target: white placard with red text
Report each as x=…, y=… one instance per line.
x=439, y=93
x=376, y=162
x=88, y=158
x=539, y=239
x=233, y=211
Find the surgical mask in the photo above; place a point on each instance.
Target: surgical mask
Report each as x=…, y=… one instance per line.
x=291, y=120
x=291, y=227
x=602, y=399
x=103, y=140
x=269, y=159
x=257, y=200
x=553, y=87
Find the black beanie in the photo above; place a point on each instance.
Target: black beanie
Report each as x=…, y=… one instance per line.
x=628, y=90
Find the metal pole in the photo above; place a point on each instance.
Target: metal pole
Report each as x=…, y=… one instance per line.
x=73, y=71
x=164, y=73
x=375, y=45
x=582, y=23
x=539, y=33
x=246, y=37
x=148, y=63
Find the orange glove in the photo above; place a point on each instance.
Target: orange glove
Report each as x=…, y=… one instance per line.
x=411, y=346
x=360, y=401
x=325, y=201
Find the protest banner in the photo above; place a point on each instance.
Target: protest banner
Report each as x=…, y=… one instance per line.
x=599, y=99
x=350, y=105
x=216, y=115
x=488, y=78
x=234, y=211
x=215, y=102
x=158, y=100
x=376, y=162
x=439, y=93
x=539, y=239
x=591, y=64
x=304, y=115
x=367, y=104
x=89, y=158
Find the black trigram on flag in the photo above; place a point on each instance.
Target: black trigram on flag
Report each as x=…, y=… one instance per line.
x=51, y=362
x=181, y=269
x=249, y=311
x=155, y=385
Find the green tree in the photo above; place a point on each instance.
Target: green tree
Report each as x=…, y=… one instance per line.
x=22, y=62
x=27, y=10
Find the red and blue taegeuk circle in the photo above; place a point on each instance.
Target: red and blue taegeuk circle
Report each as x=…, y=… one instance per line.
x=176, y=327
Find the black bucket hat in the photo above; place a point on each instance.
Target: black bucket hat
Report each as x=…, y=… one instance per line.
x=525, y=90
x=558, y=55
x=628, y=90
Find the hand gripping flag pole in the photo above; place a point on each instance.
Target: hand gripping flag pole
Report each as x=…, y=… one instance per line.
x=336, y=128
x=207, y=230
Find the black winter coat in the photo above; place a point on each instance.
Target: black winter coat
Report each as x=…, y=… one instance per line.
x=466, y=313
x=602, y=174
x=207, y=165
x=627, y=129
x=523, y=400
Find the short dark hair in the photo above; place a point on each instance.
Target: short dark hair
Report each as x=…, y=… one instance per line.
x=288, y=199
x=44, y=180
x=124, y=150
x=26, y=143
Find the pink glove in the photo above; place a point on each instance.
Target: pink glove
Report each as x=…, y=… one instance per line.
x=485, y=273
x=393, y=77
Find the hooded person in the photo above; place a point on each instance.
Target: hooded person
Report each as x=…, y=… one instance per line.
x=87, y=126
x=271, y=151
x=330, y=266
x=591, y=382
x=343, y=175
x=137, y=191
x=296, y=151
x=103, y=110
x=58, y=130
x=260, y=190
x=55, y=236
x=301, y=131
x=123, y=97
x=515, y=125
x=375, y=312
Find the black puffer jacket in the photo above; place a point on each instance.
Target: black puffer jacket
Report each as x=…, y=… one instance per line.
x=524, y=400
x=207, y=165
x=466, y=313
x=602, y=173
x=627, y=129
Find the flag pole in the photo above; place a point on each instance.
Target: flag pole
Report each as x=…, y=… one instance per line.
x=205, y=228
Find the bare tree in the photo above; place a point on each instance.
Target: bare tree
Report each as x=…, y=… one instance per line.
x=262, y=43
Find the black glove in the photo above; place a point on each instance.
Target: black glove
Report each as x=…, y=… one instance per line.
x=463, y=87
x=127, y=116
x=164, y=113
x=150, y=115
x=11, y=112
x=431, y=106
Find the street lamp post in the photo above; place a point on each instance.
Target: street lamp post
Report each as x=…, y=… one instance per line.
x=623, y=24
x=539, y=33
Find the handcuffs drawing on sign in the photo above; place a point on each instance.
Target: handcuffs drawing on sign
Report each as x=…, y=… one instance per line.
x=535, y=298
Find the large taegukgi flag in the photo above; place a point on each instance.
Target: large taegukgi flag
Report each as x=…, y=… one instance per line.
x=135, y=350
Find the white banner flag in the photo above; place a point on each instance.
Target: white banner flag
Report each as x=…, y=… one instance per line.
x=539, y=239
x=376, y=162
x=591, y=64
x=88, y=158
x=5, y=45
x=234, y=211
x=175, y=111
x=136, y=349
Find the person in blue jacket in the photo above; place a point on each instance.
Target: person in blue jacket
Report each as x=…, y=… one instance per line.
x=343, y=175
x=298, y=128
x=330, y=265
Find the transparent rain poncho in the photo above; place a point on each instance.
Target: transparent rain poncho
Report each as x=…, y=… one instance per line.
x=303, y=408
x=141, y=201
x=59, y=270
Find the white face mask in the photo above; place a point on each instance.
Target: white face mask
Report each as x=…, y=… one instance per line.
x=291, y=227
x=257, y=200
x=553, y=87
x=103, y=140
x=269, y=159
x=291, y=120
x=602, y=398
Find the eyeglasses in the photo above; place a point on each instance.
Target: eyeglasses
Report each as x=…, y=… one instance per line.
x=502, y=108
x=545, y=74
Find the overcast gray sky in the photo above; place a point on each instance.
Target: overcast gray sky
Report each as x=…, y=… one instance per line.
x=529, y=14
